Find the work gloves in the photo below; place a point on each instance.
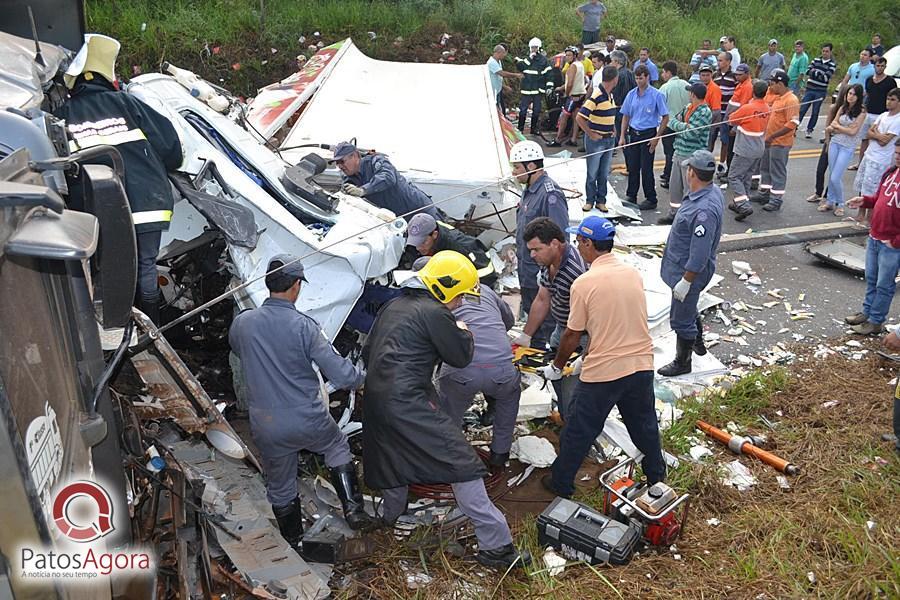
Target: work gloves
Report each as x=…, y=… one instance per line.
x=551, y=372
x=681, y=289
x=353, y=190
x=523, y=339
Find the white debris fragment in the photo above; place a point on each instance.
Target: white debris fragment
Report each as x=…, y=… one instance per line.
x=812, y=577
x=415, y=581
x=698, y=453
x=783, y=483
x=870, y=525
x=740, y=267
x=830, y=404
x=744, y=360
x=783, y=330
x=713, y=522
x=754, y=280
x=533, y=450
x=676, y=556
x=853, y=343
x=554, y=563
x=737, y=475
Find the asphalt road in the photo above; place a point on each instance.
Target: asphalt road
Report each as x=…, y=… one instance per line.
x=773, y=244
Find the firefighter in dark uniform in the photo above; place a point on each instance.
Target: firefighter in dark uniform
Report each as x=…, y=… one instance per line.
x=280, y=349
x=376, y=179
x=407, y=438
x=689, y=260
x=542, y=197
x=537, y=83
x=97, y=114
x=430, y=236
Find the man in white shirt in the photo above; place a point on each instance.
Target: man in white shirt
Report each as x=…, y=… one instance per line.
x=728, y=45
x=495, y=68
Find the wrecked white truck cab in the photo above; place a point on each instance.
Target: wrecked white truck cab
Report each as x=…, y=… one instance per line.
x=343, y=241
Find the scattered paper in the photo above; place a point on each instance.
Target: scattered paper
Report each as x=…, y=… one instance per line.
x=737, y=475
x=555, y=563
x=698, y=453
x=533, y=450
x=713, y=522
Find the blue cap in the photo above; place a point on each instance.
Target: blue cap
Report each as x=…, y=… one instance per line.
x=293, y=269
x=595, y=228
x=343, y=150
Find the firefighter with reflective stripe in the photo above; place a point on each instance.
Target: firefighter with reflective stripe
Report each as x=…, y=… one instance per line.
x=750, y=122
x=430, y=236
x=98, y=114
x=537, y=82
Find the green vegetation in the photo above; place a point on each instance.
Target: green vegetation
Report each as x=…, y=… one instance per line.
x=246, y=31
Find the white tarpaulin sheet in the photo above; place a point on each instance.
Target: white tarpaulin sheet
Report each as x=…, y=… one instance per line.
x=432, y=119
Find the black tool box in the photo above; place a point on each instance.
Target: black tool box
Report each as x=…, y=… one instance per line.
x=581, y=533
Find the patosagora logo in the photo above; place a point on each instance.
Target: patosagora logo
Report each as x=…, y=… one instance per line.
x=73, y=523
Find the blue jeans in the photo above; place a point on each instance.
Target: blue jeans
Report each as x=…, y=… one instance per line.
x=597, y=168
x=816, y=97
x=795, y=87
x=148, y=276
x=839, y=158
x=882, y=264
x=683, y=315
x=634, y=396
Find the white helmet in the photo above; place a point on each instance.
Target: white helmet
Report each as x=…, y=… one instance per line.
x=526, y=151
x=535, y=43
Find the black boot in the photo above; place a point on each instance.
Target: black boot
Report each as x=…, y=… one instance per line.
x=699, y=346
x=290, y=523
x=498, y=460
x=344, y=480
x=682, y=362
x=487, y=417
x=150, y=308
x=504, y=557
x=668, y=218
x=743, y=210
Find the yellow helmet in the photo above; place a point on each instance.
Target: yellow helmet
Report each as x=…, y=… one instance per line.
x=449, y=274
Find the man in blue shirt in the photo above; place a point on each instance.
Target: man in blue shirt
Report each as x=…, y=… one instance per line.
x=591, y=15
x=689, y=260
x=542, y=198
x=495, y=69
x=859, y=71
x=644, y=59
x=280, y=349
x=645, y=116
x=374, y=178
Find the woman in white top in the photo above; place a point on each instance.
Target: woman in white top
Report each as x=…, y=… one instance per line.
x=846, y=131
x=574, y=90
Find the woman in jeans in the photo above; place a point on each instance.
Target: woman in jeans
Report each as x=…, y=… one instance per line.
x=822, y=165
x=845, y=131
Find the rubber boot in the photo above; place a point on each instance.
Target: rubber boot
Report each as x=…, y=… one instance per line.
x=682, y=362
x=761, y=197
x=344, y=480
x=699, y=346
x=743, y=210
x=290, y=523
x=150, y=308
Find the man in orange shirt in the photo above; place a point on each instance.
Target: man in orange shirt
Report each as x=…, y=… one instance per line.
x=784, y=119
x=749, y=122
x=618, y=366
x=713, y=94
x=743, y=93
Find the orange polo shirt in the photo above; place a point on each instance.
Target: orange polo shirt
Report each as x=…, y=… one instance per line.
x=785, y=113
x=743, y=93
x=713, y=96
x=608, y=303
x=751, y=118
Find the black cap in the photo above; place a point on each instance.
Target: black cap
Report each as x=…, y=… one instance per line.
x=779, y=75
x=697, y=89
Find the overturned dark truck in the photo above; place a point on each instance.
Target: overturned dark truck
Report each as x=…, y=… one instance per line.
x=122, y=476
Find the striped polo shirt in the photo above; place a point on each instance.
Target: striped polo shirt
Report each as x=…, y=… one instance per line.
x=600, y=111
x=726, y=82
x=570, y=268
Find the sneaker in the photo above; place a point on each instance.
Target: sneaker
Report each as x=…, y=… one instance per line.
x=553, y=144
x=868, y=328
x=856, y=319
x=631, y=199
x=666, y=219
x=853, y=167
x=602, y=208
x=647, y=205
x=771, y=207
x=663, y=183
x=814, y=198
x=808, y=135
x=587, y=206
x=504, y=557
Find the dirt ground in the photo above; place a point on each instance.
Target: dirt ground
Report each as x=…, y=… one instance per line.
x=834, y=534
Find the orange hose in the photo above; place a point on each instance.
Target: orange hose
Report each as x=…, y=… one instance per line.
x=747, y=448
